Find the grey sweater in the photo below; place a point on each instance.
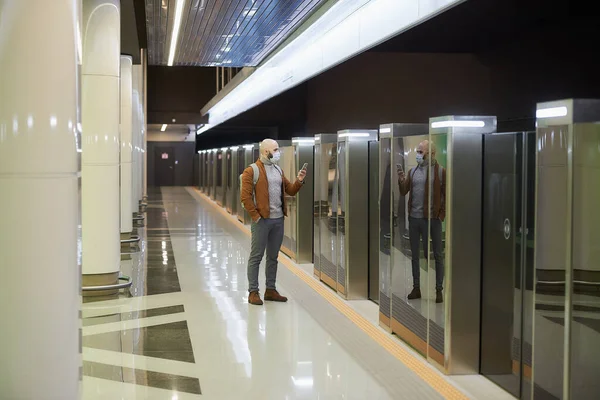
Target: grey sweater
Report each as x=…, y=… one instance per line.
x=275, y=187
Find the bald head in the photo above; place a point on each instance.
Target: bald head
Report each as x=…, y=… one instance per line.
x=268, y=148
x=268, y=145
x=424, y=147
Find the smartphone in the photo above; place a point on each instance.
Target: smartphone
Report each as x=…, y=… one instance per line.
x=305, y=166
x=399, y=168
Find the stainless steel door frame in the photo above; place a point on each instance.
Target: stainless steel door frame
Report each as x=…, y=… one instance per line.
x=304, y=154
x=205, y=172
x=286, y=163
x=353, y=248
x=201, y=171
x=213, y=175
x=328, y=208
x=374, y=221
x=250, y=156
x=460, y=353
x=241, y=165
x=317, y=208
x=196, y=169
x=225, y=163
x=220, y=174
x=233, y=194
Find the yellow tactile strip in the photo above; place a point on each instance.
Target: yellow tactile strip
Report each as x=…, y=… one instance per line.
x=415, y=364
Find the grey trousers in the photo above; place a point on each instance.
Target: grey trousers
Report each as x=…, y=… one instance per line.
x=418, y=228
x=266, y=234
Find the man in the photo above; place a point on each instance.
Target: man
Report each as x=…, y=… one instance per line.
x=267, y=216
x=420, y=209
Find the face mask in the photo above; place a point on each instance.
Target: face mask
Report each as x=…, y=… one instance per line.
x=275, y=156
x=419, y=158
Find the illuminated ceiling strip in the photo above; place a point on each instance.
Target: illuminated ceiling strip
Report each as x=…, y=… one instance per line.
x=204, y=129
x=163, y=128
x=458, y=124
x=385, y=130
x=348, y=28
x=175, y=33
x=308, y=140
x=354, y=134
x=551, y=112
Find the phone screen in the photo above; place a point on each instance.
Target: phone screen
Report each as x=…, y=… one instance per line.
x=305, y=166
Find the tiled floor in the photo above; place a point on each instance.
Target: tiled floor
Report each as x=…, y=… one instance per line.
x=187, y=331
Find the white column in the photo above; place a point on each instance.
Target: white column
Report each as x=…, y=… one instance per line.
x=140, y=172
x=135, y=139
x=39, y=199
x=100, y=161
x=126, y=145
x=145, y=141
x=137, y=135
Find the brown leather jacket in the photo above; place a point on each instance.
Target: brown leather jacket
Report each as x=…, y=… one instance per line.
x=261, y=209
x=439, y=192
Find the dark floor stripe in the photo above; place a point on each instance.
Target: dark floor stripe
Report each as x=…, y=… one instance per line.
x=157, y=380
x=161, y=269
x=169, y=341
x=154, y=312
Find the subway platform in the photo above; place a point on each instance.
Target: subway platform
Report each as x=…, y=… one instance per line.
x=186, y=331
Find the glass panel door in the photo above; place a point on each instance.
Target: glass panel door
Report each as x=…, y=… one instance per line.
x=408, y=265
x=507, y=261
x=387, y=179
x=329, y=211
x=317, y=201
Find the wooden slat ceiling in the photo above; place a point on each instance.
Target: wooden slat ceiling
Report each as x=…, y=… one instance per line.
x=228, y=33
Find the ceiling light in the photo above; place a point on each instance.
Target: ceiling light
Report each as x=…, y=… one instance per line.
x=318, y=48
x=203, y=129
x=175, y=33
x=354, y=134
x=551, y=112
x=458, y=124
x=224, y=148
x=163, y=128
x=249, y=147
x=385, y=130
x=234, y=148
x=302, y=140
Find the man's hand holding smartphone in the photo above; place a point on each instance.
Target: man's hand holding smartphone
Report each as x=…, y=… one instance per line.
x=302, y=173
x=401, y=174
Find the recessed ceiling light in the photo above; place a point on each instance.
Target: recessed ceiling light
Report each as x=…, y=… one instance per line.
x=175, y=33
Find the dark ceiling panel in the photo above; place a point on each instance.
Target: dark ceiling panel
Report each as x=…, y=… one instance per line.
x=228, y=33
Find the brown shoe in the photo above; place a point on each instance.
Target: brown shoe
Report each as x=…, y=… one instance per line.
x=439, y=296
x=273, y=295
x=254, y=298
x=415, y=294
